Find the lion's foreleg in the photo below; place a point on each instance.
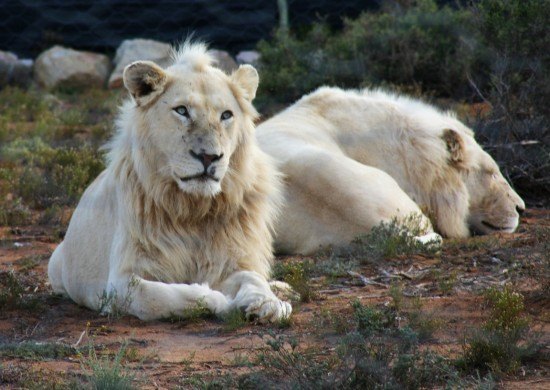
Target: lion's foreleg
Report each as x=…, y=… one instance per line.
x=251, y=291
x=149, y=300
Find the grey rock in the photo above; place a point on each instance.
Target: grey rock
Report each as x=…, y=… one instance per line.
x=63, y=67
x=251, y=57
x=224, y=61
x=15, y=71
x=138, y=49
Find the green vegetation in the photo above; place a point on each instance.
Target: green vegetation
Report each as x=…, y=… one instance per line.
x=500, y=345
x=424, y=323
x=107, y=372
x=14, y=295
x=418, y=47
x=373, y=352
x=36, y=350
x=234, y=319
x=391, y=239
x=297, y=275
x=48, y=150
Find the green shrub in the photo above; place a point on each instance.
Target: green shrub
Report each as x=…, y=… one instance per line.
x=500, y=345
x=297, y=275
x=424, y=45
x=515, y=37
x=234, y=319
x=391, y=239
x=50, y=175
x=13, y=293
x=13, y=212
x=107, y=372
x=370, y=321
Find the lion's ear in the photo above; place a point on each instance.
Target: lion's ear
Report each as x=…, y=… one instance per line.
x=455, y=147
x=145, y=80
x=247, y=78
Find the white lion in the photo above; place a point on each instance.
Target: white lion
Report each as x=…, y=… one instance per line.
x=353, y=159
x=182, y=214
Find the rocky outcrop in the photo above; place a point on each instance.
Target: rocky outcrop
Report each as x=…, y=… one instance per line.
x=60, y=67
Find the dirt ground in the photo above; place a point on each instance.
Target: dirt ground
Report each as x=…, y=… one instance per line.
x=164, y=354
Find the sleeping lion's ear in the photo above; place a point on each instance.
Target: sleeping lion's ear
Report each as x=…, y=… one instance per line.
x=247, y=78
x=145, y=80
x=455, y=146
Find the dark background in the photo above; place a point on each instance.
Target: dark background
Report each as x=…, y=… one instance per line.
x=30, y=26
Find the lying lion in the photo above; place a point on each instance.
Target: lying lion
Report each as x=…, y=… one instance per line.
x=353, y=159
x=182, y=214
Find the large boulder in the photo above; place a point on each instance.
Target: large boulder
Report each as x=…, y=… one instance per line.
x=67, y=68
x=14, y=71
x=132, y=50
x=224, y=61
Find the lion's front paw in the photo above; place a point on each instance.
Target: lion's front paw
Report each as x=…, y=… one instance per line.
x=431, y=241
x=283, y=290
x=269, y=310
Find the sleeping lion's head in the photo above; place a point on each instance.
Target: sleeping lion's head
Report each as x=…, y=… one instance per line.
x=193, y=115
x=493, y=205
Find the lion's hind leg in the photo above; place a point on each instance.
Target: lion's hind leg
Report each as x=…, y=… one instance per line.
x=55, y=270
x=332, y=199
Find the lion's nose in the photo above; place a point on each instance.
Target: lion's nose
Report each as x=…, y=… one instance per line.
x=520, y=209
x=205, y=158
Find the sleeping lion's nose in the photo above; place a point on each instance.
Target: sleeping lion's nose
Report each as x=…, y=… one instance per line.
x=206, y=159
x=520, y=209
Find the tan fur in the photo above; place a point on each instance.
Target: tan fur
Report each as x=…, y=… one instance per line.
x=353, y=159
x=153, y=234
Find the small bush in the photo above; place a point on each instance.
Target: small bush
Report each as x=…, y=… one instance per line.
x=14, y=295
x=370, y=321
x=234, y=319
x=391, y=239
x=422, y=322
x=500, y=345
x=297, y=275
x=107, y=373
x=14, y=213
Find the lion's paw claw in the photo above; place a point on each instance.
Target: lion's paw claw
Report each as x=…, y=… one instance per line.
x=269, y=310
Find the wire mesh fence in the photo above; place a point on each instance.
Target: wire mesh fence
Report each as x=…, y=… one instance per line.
x=30, y=26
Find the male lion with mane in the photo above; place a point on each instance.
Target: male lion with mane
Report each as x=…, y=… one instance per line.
x=354, y=159
x=182, y=214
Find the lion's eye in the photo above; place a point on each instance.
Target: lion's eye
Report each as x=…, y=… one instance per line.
x=226, y=115
x=182, y=110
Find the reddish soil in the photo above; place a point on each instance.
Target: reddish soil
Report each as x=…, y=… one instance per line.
x=163, y=354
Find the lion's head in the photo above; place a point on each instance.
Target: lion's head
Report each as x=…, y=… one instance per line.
x=193, y=116
x=493, y=205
